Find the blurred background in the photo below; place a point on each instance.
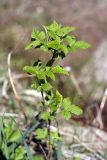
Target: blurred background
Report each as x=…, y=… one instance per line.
x=89, y=67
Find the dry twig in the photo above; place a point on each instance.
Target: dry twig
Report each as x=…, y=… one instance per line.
x=98, y=120
x=17, y=96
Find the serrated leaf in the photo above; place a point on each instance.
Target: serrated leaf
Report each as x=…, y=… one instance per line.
x=45, y=116
x=64, y=49
x=41, y=133
x=54, y=44
x=34, y=33
x=54, y=26
x=64, y=31
x=66, y=104
x=76, y=110
x=58, y=98
x=59, y=69
x=71, y=40
x=34, y=85
x=41, y=75
x=19, y=153
x=44, y=48
x=66, y=115
x=46, y=86
x=50, y=75
x=30, y=70
x=41, y=36
x=67, y=29
x=28, y=46
x=52, y=118
x=39, y=88
x=80, y=45
x=52, y=35
x=54, y=136
x=33, y=44
x=53, y=107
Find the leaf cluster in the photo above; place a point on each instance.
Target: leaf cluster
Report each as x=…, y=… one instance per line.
x=56, y=38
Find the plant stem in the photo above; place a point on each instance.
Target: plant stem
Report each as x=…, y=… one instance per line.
x=45, y=156
x=49, y=139
x=43, y=98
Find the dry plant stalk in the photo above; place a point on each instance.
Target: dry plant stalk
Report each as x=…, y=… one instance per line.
x=17, y=96
x=98, y=120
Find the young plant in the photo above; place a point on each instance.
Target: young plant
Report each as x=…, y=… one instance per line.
x=56, y=40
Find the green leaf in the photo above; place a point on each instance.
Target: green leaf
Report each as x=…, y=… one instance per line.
x=30, y=70
x=76, y=110
x=67, y=29
x=81, y=45
x=53, y=35
x=41, y=36
x=64, y=31
x=50, y=75
x=54, y=137
x=44, y=48
x=33, y=44
x=66, y=104
x=59, y=69
x=52, y=118
x=46, y=86
x=20, y=153
x=58, y=98
x=41, y=75
x=66, y=115
x=34, y=33
x=39, y=88
x=53, y=107
x=41, y=133
x=35, y=85
x=14, y=136
x=71, y=40
x=54, y=26
x=45, y=116
x=38, y=157
x=54, y=44
x=64, y=49
x=29, y=46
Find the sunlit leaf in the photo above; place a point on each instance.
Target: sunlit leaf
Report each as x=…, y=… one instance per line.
x=66, y=115
x=41, y=133
x=59, y=69
x=76, y=110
